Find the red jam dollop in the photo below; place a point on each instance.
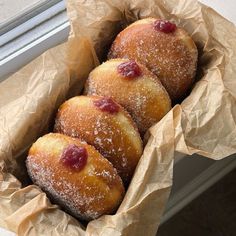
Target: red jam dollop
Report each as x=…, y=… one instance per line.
x=129, y=69
x=107, y=104
x=74, y=157
x=164, y=26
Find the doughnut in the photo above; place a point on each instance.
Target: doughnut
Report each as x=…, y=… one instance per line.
x=165, y=49
x=75, y=176
x=134, y=87
x=104, y=124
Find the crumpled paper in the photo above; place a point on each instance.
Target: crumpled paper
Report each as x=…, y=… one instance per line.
x=203, y=123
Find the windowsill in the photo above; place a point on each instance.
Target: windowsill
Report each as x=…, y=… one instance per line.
x=26, y=41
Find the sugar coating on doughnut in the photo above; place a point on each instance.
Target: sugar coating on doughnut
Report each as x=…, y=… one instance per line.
x=88, y=193
x=115, y=136
x=143, y=97
x=170, y=56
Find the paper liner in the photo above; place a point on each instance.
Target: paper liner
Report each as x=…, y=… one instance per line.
x=203, y=123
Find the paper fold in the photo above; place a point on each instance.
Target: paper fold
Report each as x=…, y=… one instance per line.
x=203, y=123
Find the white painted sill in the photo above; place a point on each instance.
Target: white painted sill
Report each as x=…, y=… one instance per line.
x=192, y=175
x=22, y=43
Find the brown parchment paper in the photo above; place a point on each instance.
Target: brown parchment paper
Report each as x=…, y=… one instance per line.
x=203, y=123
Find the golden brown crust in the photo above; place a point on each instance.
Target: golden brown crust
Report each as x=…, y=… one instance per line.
x=170, y=56
x=115, y=136
x=87, y=194
x=143, y=97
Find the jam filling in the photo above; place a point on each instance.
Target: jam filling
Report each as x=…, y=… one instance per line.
x=107, y=104
x=129, y=69
x=164, y=26
x=74, y=157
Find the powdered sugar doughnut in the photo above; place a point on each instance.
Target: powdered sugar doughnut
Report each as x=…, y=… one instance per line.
x=75, y=175
x=103, y=123
x=134, y=87
x=167, y=50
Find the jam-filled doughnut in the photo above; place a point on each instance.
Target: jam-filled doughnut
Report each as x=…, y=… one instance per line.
x=167, y=50
x=134, y=87
x=75, y=175
x=103, y=123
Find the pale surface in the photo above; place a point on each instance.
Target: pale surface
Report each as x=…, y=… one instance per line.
x=4, y=232
x=226, y=8
x=45, y=82
x=12, y=8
